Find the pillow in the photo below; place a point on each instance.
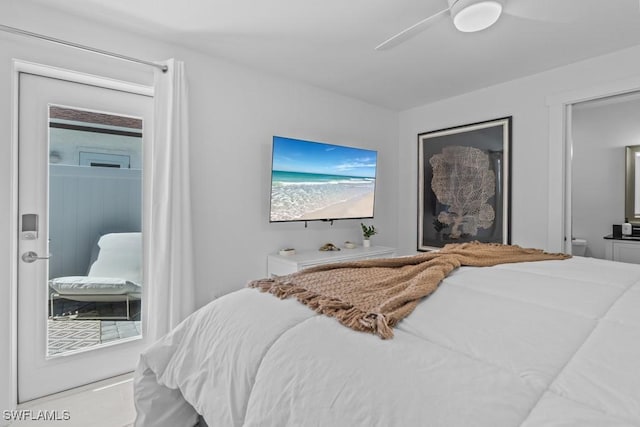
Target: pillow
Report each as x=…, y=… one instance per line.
x=95, y=250
x=120, y=255
x=83, y=285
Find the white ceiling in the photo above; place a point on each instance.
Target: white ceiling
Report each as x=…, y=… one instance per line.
x=330, y=43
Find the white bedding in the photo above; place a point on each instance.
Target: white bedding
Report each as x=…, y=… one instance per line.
x=551, y=343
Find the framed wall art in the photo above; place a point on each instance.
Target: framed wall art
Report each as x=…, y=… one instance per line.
x=464, y=184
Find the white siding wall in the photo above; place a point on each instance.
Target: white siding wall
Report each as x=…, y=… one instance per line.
x=84, y=203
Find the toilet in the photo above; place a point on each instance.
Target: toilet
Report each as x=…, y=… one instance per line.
x=578, y=247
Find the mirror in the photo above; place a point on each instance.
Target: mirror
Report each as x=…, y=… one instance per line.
x=632, y=184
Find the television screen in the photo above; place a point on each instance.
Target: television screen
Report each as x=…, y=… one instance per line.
x=317, y=181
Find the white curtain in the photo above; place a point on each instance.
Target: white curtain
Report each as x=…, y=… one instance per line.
x=169, y=282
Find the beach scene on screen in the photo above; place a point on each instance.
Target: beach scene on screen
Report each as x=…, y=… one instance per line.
x=311, y=181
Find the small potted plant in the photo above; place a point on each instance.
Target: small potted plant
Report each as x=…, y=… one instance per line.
x=367, y=232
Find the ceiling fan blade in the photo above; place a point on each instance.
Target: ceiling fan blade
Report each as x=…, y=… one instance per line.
x=567, y=11
x=541, y=10
x=407, y=33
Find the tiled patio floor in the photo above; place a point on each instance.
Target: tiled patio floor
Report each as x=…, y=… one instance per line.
x=118, y=329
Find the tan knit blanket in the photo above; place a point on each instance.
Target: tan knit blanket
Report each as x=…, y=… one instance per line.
x=374, y=295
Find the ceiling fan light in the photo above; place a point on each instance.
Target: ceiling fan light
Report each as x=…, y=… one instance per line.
x=471, y=16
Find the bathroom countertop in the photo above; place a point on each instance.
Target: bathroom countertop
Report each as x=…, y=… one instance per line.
x=631, y=238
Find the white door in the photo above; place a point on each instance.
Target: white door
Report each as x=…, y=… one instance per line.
x=79, y=180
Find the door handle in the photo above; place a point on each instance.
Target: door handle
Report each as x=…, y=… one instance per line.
x=31, y=256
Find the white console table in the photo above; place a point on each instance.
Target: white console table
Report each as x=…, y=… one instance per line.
x=278, y=265
x=624, y=249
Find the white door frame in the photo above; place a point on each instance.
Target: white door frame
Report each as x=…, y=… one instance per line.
x=61, y=74
x=560, y=148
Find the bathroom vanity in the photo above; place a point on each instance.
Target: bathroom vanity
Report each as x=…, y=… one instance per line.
x=623, y=249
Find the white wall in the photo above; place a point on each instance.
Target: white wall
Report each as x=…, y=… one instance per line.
x=231, y=183
x=601, y=130
x=68, y=144
x=234, y=111
x=524, y=99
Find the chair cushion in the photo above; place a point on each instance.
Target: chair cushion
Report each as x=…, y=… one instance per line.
x=83, y=285
x=120, y=255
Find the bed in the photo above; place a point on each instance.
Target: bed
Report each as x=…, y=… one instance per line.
x=547, y=343
x=114, y=274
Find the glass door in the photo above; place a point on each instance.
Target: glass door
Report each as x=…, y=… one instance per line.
x=81, y=238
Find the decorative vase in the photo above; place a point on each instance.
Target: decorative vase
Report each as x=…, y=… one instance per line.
x=366, y=243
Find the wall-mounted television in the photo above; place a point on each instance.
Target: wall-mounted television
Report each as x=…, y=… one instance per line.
x=313, y=181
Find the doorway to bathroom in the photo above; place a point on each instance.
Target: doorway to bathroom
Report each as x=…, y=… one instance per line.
x=599, y=132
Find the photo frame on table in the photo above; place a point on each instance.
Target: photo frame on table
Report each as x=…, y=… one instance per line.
x=464, y=184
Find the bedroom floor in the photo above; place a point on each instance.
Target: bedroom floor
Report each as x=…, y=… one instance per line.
x=107, y=403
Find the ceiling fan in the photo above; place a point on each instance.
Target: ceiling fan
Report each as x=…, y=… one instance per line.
x=476, y=15
x=468, y=16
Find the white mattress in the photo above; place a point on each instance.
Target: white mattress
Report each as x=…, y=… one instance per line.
x=552, y=343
